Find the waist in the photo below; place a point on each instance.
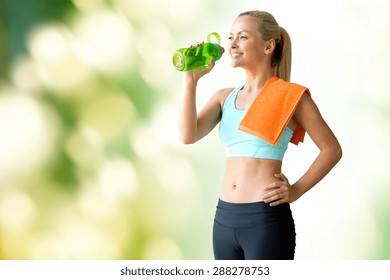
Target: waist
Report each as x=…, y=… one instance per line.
x=245, y=178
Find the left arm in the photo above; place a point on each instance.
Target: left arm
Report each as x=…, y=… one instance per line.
x=309, y=117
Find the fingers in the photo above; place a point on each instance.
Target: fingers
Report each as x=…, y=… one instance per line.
x=274, y=185
x=277, y=184
x=277, y=196
x=197, y=44
x=278, y=192
x=281, y=177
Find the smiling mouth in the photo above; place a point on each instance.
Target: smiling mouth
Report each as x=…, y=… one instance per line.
x=235, y=54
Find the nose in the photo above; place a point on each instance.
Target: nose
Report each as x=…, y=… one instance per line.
x=233, y=44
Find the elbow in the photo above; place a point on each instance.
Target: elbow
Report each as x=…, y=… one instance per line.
x=333, y=152
x=187, y=140
x=339, y=153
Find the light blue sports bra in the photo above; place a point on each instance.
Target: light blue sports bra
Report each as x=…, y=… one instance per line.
x=241, y=144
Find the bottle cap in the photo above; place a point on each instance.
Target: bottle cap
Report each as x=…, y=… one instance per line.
x=178, y=61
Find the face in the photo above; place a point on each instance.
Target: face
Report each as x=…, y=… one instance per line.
x=246, y=46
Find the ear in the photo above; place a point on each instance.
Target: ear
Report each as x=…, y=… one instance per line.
x=269, y=46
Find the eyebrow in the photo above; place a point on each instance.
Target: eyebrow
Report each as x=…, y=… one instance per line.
x=239, y=32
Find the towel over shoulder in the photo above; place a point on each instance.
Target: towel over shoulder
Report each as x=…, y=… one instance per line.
x=272, y=110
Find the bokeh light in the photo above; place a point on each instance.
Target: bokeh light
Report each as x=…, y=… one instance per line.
x=106, y=38
x=25, y=143
x=58, y=64
x=91, y=165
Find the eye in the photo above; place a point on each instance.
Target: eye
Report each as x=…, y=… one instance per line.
x=230, y=38
x=243, y=37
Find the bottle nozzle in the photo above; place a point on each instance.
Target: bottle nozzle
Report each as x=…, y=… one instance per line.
x=216, y=35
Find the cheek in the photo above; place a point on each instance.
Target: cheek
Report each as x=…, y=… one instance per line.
x=255, y=48
x=256, y=52
x=261, y=50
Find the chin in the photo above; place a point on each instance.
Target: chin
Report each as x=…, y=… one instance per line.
x=235, y=64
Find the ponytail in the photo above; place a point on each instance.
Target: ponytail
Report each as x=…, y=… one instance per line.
x=281, y=57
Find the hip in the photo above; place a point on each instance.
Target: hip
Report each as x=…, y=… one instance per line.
x=252, y=214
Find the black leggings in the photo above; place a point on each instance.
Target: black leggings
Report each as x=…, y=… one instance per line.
x=253, y=231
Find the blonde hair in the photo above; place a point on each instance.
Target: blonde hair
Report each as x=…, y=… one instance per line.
x=270, y=29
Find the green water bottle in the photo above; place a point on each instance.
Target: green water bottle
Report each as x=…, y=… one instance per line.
x=198, y=58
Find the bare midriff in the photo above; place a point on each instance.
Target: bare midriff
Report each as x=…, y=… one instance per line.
x=245, y=178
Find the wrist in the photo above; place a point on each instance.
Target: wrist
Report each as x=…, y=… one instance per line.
x=190, y=80
x=295, y=193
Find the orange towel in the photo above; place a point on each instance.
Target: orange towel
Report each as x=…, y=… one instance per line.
x=272, y=110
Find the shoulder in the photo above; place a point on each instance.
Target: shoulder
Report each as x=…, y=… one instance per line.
x=292, y=87
x=307, y=109
x=306, y=99
x=221, y=95
x=224, y=93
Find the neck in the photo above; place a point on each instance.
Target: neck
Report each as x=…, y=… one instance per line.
x=255, y=80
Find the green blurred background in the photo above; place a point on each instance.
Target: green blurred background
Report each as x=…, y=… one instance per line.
x=91, y=166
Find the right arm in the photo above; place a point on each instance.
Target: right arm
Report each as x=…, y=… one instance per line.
x=194, y=126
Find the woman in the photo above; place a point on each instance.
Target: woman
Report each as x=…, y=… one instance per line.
x=253, y=218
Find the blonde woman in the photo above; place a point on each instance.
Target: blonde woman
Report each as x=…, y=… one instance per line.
x=253, y=218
